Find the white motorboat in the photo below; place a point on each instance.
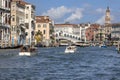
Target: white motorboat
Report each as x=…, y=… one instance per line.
x=28, y=51
x=70, y=49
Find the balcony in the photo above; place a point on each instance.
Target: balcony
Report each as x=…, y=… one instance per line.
x=4, y=8
x=3, y=25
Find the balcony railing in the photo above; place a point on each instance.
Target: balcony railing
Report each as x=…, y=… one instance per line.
x=4, y=8
x=3, y=25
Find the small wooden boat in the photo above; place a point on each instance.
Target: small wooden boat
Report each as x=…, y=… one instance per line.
x=27, y=50
x=70, y=49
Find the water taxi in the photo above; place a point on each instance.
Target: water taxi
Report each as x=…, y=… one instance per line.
x=27, y=50
x=70, y=49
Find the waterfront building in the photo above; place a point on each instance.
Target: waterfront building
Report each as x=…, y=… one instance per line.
x=17, y=21
x=83, y=28
x=115, y=34
x=66, y=33
x=29, y=23
x=22, y=22
x=72, y=31
x=108, y=26
x=67, y=28
x=4, y=23
x=90, y=32
x=46, y=26
x=99, y=34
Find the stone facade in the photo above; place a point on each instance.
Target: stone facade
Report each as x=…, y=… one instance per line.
x=30, y=23
x=5, y=23
x=45, y=25
x=90, y=32
x=115, y=35
x=17, y=20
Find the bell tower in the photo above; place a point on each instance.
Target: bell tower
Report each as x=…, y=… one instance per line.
x=107, y=16
x=108, y=26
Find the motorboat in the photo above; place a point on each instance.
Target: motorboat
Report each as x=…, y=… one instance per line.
x=70, y=49
x=103, y=46
x=118, y=47
x=27, y=50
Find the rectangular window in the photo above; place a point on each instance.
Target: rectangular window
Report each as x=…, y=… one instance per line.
x=9, y=20
x=39, y=25
x=6, y=20
x=27, y=25
x=44, y=25
x=13, y=19
x=9, y=4
x=5, y=4
x=44, y=32
x=0, y=13
x=27, y=7
x=26, y=16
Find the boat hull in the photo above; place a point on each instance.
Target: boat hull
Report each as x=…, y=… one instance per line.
x=103, y=46
x=27, y=53
x=70, y=49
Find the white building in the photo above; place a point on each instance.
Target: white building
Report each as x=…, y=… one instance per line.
x=17, y=21
x=29, y=22
x=66, y=28
x=69, y=31
x=4, y=23
x=83, y=28
x=115, y=34
x=72, y=30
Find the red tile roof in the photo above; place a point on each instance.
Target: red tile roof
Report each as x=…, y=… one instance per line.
x=43, y=19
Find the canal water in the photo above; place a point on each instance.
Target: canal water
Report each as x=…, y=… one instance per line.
x=89, y=63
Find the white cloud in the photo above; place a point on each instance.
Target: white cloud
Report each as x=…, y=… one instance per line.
x=56, y=13
x=76, y=15
x=62, y=12
x=86, y=5
x=101, y=20
x=100, y=10
x=112, y=18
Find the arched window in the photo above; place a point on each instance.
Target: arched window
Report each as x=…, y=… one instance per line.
x=6, y=4
x=56, y=35
x=6, y=18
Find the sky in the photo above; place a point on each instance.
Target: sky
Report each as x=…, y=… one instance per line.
x=77, y=11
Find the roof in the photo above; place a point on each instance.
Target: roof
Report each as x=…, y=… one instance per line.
x=43, y=19
x=66, y=25
x=21, y=2
x=116, y=24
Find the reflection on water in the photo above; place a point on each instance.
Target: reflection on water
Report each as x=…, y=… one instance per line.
x=90, y=63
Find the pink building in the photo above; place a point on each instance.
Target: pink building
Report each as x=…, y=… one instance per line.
x=90, y=32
